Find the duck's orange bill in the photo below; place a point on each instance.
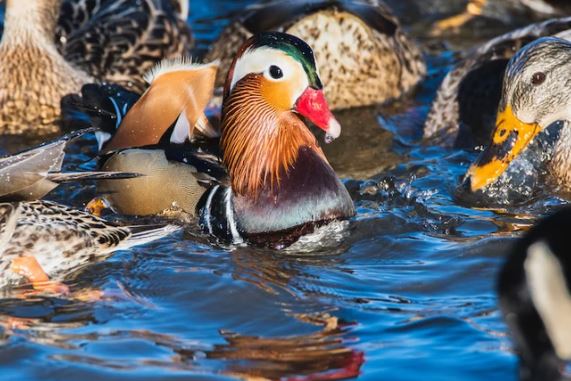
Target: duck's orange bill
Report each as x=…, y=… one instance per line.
x=312, y=105
x=510, y=138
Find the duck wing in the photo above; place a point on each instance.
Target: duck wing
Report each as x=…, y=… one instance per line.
x=204, y=156
x=120, y=40
x=464, y=110
x=173, y=103
x=25, y=175
x=32, y=174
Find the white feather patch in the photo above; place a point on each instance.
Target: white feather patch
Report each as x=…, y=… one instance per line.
x=181, y=130
x=176, y=64
x=550, y=295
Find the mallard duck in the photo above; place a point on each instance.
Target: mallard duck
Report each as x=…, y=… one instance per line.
x=51, y=48
x=32, y=174
x=362, y=53
x=534, y=297
x=278, y=181
x=506, y=11
x=42, y=241
x=536, y=94
x=464, y=110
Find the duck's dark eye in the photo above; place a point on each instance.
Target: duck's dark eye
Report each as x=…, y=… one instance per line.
x=276, y=72
x=538, y=78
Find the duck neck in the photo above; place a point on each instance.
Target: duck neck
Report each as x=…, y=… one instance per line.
x=30, y=22
x=260, y=143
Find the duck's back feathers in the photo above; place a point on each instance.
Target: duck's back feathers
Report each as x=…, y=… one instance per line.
x=62, y=238
x=102, y=106
x=533, y=289
x=277, y=14
x=464, y=110
x=120, y=40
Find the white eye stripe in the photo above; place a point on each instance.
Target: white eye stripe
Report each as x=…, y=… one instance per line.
x=260, y=60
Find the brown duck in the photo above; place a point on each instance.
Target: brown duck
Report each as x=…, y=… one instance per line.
x=51, y=48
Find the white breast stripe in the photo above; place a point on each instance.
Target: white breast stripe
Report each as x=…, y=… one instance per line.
x=207, y=215
x=236, y=238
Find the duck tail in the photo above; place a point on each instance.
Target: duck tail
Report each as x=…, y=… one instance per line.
x=59, y=177
x=102, y=106
x=143, y=234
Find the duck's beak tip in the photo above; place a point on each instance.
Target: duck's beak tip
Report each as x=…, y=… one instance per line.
x=333, y=130
x=313, y=105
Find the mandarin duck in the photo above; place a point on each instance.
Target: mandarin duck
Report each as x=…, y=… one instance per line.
x=510, y=12
x=361, y=50
x=534, y=296
x=464, y=110
x=535, y=105
x=272, y=179
x=51, y=48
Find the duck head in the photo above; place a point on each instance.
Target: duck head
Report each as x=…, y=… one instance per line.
x=272, y=81
x=536, y=93
x=535, y=298
x=284, y=67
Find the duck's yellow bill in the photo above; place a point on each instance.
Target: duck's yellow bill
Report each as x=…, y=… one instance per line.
x=509, y=139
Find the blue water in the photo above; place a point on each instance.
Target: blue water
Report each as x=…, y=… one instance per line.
x=404, y=292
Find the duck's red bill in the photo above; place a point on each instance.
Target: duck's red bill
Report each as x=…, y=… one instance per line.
x=312, y=105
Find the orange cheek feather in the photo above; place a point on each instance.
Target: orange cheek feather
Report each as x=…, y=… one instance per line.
x=277, y=94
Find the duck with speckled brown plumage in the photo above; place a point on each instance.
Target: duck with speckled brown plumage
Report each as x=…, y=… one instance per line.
x=51, y=48
x=276, y=183
x=361, y=50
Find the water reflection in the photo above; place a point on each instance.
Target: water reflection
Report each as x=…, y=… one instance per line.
x=324, y=354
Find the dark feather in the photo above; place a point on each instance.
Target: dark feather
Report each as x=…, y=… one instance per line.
x=100, y=105
x=264, y=17
x=60, y=177
x=120, y=40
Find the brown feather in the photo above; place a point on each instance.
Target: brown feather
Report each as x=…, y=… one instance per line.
x=259, y=142
x=171, y=93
